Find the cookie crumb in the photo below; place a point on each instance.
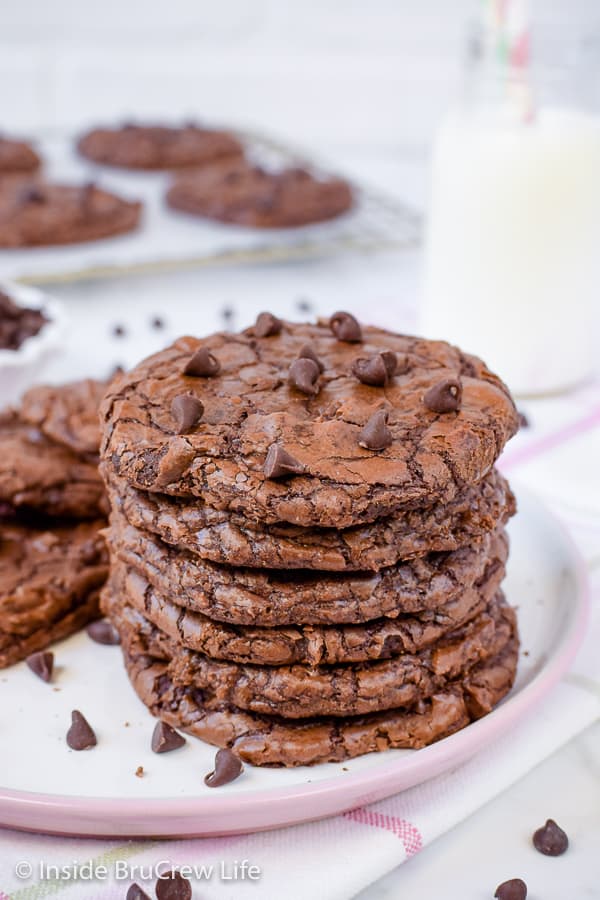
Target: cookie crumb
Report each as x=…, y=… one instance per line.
x=139, y=772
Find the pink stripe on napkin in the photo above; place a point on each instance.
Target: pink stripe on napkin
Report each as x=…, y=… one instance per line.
x=408, y=833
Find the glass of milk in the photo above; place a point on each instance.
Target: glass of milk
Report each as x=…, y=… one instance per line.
x=513, y=249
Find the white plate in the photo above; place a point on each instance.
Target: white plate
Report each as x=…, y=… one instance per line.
x=47, y=787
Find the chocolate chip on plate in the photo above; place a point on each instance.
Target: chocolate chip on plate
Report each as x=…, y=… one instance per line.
x=165, y=738
x=267, y=325
x=227, y=768
x=515, y=889
x=103, y=632
x=41, y=664
x=445, y=396
x=376, y=435
x=377, y=370
x=135, y=892
x=187, y=411
x=346, y=328
x=307, y=351
x=304, y=375
x=80, y=735
x=202, y=364
x=550, y=839
x=172, y=885
x=279, y=463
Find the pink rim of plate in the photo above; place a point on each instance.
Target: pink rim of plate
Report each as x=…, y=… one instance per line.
x=263, y=810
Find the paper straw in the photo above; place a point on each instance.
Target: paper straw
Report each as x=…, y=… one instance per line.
x=507, y=25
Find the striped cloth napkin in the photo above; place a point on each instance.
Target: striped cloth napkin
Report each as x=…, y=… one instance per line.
x=336, y=858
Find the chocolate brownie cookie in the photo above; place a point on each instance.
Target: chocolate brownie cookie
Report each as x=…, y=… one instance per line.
x=50, y=580
x=239, y=192
x=272, y=597
x=262, y=438
x=158, y=147
x=66, y=414
x=228, y=538
x=271, y=741
x=37, y=474
x=17, y=157
x=41, y=214
x=312, y=645
x=301, y=692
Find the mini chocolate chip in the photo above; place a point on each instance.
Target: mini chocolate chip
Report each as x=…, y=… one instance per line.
x=172, y=885
x=307, y=351
x=187, y=411
x=165, y=738
x=303, y=305
x=136, y=893
x=41, y=664
x=550, y=839
x=377, y=370
x=445, y=396
x=227, y=768
x=515, y=889
x=103, y=632
x=157, y=323
x=32, y=194
x=346, y=328
x=267, y=325
x=228, y=312
x=304, y=375
x=279, y=463
x=523, y=420
x=80, y=735
x=376, y=435
x=202, y=364
x=118, y=330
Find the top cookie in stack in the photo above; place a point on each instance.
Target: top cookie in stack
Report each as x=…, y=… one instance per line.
x=306, y=538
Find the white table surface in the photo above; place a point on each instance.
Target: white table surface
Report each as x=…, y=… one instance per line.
x=494, y=844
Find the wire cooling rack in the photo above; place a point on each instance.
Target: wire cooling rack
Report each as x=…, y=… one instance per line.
x=171, y=241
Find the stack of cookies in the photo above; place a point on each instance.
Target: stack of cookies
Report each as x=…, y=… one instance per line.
x=307, y=538
x=53, y=559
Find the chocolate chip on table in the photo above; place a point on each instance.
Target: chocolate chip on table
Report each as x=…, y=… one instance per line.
x=103, y=632
x=308, y=352
x=172, y=885
x=445, y=396
x=304, y=375
x=376, y=435
x=202, y=364
x=550, y=839
x=279, y=463
x=227, y=313
x=377, y=370
x=303, y=305
x=135, y=892
x=165, y=738
x=227, y=768
x=187, y=411
x=515, y=889
x=346, y=328
x=41, y=664
x=80, y=735
x=119, y=330
x=267, y=325
x=523, y=420
x=157, y=323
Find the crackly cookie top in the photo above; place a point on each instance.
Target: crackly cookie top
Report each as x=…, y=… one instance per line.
x=238, y=191
x=328, y=424
x=66, y=413
x=39, y=213
x=158, y=146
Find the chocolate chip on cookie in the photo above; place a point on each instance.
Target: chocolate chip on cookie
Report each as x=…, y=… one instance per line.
x=203, y=364
x=445, y=396
x=187, y=411
x=376, y=435
x=279, y=463
x=346, y=328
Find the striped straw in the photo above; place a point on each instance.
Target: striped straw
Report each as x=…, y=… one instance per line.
x=507, y=25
